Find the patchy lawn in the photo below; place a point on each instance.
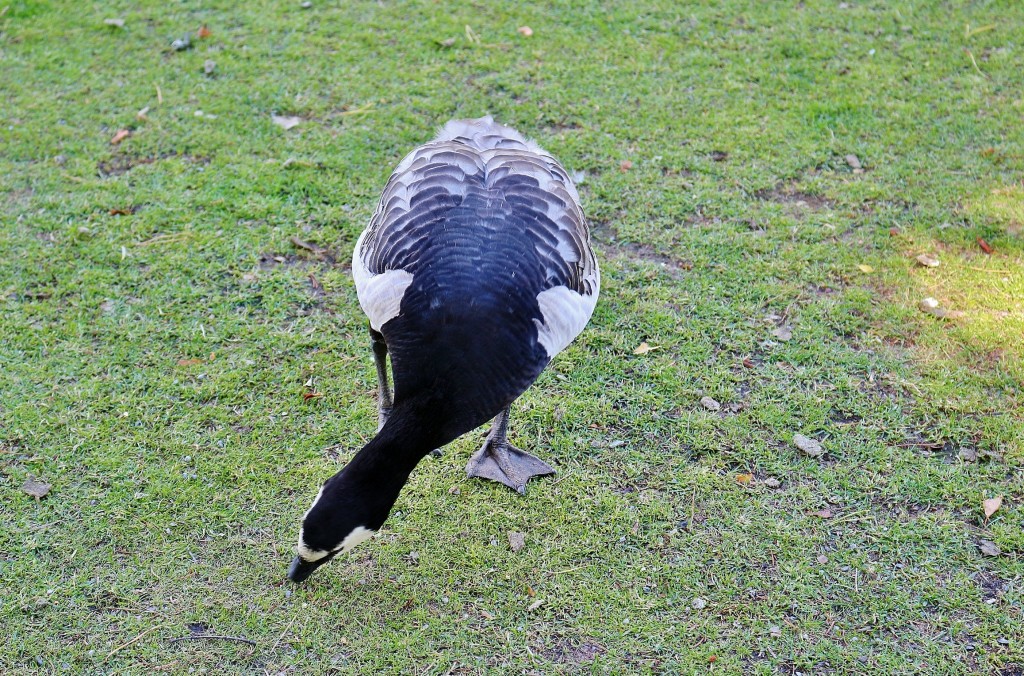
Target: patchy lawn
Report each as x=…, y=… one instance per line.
x=761, y=178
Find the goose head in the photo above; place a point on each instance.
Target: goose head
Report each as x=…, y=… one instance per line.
x=343, y=514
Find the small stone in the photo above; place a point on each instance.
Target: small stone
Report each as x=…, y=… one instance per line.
x=182, y=43
x=989, y=548
x=783, y=333
x=516, y=541
x=822, y=559
x=699, y=603
x=853, y=161
x=209, y=66
x=927, y=261
x=968, y=455
x=811, y=447
x=775, y=631
x=710, y=404
x=772, y=482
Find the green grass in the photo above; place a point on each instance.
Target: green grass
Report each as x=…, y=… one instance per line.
x=153, y=363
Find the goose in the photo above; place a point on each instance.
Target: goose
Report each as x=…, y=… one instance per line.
x=474, y=271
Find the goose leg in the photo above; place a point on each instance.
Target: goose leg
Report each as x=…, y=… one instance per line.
x=500, y=461
x=380, y=360
x=384, y=400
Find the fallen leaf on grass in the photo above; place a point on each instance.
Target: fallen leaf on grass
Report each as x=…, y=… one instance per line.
x=530, y=592
x=811, y=447
x=699, y=603
x=486, y=615
x=772, y=482
x=525, y=31
x=865, y=268
x=822, y=559
x=644, y=348
x=209, y=66
x=37, y=489
x=535, y=605
x=927, y=261
x=286, y=122
x=516, y=541
x=744, y=478
x=115, y=23
x=710, y=404
x=204, y=32
x=625, y=165
x=306, y=396
x=823, y=513
x=748, y=363
x=992, y=505
x=306, y=245
x=120, y=136
x=445, y=43
x=189, y=362
x=989, y=548
x=932, y=307
x=783, y=333
x=985, y=246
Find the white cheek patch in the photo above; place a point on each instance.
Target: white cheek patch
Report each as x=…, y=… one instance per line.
x=359, y=534
x=565, y=313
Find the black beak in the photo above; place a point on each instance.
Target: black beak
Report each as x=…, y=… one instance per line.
x=300, y=569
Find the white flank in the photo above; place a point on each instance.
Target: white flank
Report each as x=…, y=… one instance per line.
x=380, y=295
x=565, y=313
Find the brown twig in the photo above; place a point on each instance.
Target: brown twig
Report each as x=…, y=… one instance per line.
x=237, y=639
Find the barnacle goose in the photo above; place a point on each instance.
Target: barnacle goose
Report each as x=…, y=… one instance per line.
x=475, y=271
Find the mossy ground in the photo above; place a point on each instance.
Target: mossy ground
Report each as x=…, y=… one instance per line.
x=158, y=328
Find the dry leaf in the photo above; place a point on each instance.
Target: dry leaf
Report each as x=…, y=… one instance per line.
x=710, y=404
x=625, y=165
x=865, y=268
x=822, y=559
x=985, y=246
x=853, y=161
x=486, y=615
x=811, y=447
x=37, y=489
x=446, y=43
x=306, y=396
x=286, y=122
x=748, y=363
x=536, y=604
x=525, y=31
x=204, y=32
x=209, y=66
x=744, y=478
x=643, y=348
x=530, y=592
x=189, y=362
x=783, y=333
x=927, y=261
x=992, y=505
x=931, y=306
x=516, y=541
x=823, y=513
x=772, y=482
x=120, y=136
x=989, y=548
